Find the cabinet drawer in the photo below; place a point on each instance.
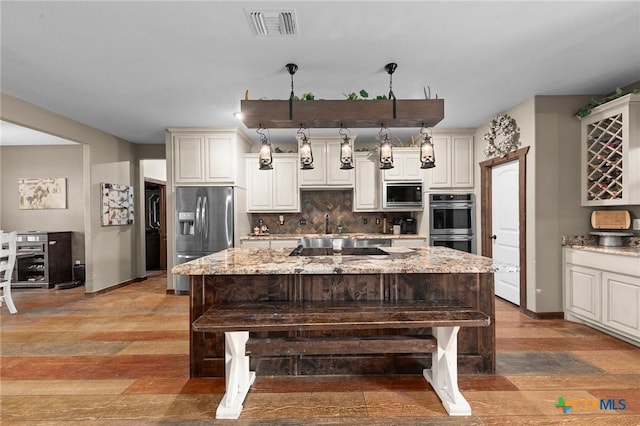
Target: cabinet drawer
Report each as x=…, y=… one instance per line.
x=629, y=265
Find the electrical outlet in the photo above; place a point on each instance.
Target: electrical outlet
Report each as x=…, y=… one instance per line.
x=377, y=221
x=365, y=221
x=636, y=224
x=303, y=221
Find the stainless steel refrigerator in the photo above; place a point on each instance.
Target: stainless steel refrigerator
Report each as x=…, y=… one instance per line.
x=204, y=225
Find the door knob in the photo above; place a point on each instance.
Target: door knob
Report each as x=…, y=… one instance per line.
x=493, y=237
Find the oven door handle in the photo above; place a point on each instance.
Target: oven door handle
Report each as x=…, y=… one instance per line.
x=452, y=238
x=450, y=206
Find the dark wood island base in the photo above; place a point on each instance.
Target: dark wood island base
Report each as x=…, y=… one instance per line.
x=476, y=345
x=262, y=311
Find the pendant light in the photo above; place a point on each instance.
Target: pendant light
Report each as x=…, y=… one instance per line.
x=306, y=155
x=264, y=157
x=346, y=151
x=386, y=150
x=427, y=154
x=292, y=68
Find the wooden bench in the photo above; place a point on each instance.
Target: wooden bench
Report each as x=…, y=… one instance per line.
x=237, y=320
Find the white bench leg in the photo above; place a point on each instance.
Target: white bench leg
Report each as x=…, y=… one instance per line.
x=238, y=378
x=443, y=375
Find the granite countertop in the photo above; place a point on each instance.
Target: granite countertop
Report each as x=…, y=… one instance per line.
x=355, y=236
x=620, y=251
x=264, y=261
x=631, y=245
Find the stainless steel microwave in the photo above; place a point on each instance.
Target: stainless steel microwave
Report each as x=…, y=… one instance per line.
x=402, y=195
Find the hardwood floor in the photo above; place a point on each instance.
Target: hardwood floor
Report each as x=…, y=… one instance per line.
x=71, y=359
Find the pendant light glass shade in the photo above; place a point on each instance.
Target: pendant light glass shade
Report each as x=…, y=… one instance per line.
x=265, y=158
x=346, y=151
x=386, y=150
x=427, y=154
x=306, y=154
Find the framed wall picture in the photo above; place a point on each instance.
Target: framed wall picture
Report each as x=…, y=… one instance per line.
x=117, y=204
x=42, y=193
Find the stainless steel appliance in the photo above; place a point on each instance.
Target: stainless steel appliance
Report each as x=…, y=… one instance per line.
x=452, y=221
x=204, y=225
x=408, y=226
x=402, y=195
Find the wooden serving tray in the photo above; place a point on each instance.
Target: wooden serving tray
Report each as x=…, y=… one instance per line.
x=610, y=219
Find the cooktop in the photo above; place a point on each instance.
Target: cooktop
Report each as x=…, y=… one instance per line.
x=346, y=251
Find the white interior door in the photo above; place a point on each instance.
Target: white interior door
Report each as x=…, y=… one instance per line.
x=505, y=225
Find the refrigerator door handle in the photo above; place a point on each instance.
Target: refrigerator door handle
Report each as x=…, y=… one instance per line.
x=227, y=219
x=198, y=215
x=205, y=218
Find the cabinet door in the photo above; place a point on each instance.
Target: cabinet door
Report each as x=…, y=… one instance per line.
x=318, y=175
x=254, y=243
x=286, y=195
x=188, y=157
x=220, y=159
x=411, y=166
x=441, y=174
x=582, y=291
x=621, y=303
x=462, y=161
x=366, y=190
x=284, y=243
x=411, y=243
x=259, y=187
x=335, y=175
x=406, y=163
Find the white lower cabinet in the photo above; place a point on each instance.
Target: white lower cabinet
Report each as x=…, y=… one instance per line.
x=269, y=243
x=603, y=291
x=408, y=242
x=582, y=291
x=284, y=243
x=254, y=244
x=621, y=303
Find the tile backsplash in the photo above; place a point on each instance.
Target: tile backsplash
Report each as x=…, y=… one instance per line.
x=315, y=205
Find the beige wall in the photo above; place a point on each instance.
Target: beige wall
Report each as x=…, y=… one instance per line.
x=64, y=161
x=110, y=252
x=548, y=126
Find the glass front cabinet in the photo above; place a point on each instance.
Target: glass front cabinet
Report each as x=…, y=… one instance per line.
x=611, y=153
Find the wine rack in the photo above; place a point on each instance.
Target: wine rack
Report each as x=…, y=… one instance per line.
x=611, y=153
x=605, y=159
x=44, y=259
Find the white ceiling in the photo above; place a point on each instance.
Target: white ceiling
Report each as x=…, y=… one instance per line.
x=134, y=68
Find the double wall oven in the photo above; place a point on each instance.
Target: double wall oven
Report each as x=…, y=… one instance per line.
x=451, y=221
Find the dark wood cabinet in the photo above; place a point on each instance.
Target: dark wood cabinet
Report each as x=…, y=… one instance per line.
x=44, y=259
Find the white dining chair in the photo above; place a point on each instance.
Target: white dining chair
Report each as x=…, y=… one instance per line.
x=7, y=262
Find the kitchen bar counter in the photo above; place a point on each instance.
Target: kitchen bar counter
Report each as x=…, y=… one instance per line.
x=425, y=274
x=260, y=261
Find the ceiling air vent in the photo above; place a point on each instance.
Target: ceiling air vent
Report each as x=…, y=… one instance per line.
x=270, y=23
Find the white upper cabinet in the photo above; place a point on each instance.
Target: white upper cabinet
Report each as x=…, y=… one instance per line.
x=454, y=161
x=611, y=153
x=207, y=156
x=273, y=190
x=406, y=166
x=326, y=170
x=367, y=187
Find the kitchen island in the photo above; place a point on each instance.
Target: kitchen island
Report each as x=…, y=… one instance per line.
x=422, y=274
